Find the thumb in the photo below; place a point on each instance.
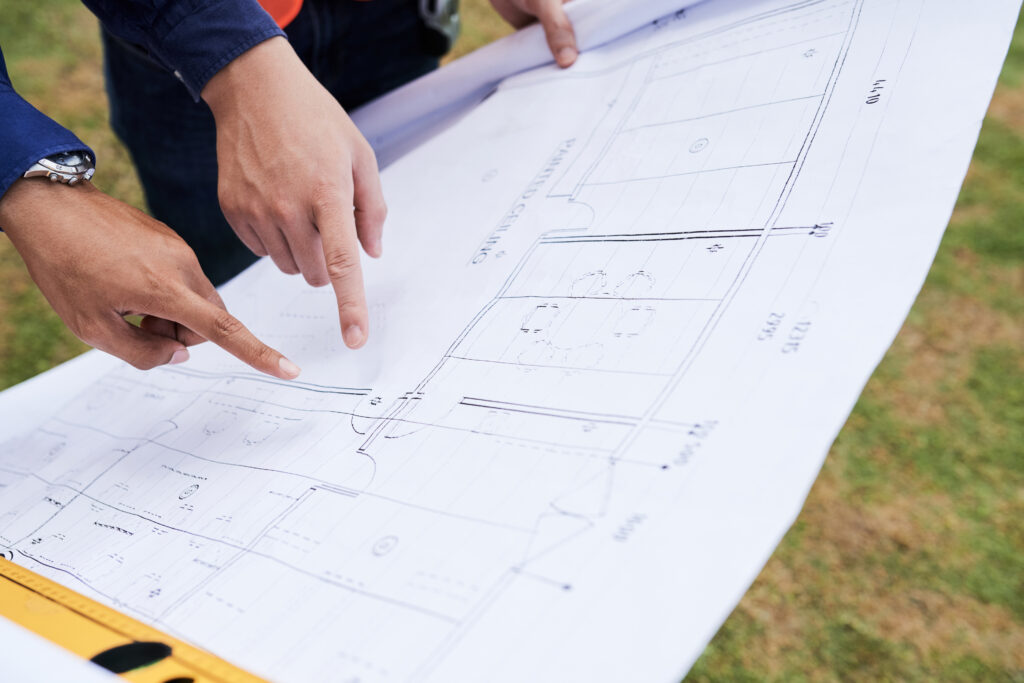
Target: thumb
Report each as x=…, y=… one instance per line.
x=559, y=32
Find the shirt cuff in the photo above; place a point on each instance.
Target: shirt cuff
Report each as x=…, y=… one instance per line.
x=199, y=43
x=26, y=136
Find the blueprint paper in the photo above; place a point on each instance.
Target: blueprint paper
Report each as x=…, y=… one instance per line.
x=27, y=405
x=406, y=117
x=623, y=312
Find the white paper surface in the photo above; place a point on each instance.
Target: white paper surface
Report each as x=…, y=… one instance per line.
x=28, y=658
x=623, y=312
x=403, y=119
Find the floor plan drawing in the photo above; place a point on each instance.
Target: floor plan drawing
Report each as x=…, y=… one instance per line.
x=625, y=310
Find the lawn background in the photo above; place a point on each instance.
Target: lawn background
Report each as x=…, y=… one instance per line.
x=907, y=562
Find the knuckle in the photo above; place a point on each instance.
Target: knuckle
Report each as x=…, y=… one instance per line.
x=340, y=264
x=183, y=253
x=167, y=269
x=264, y=355
x=229, y=203
x=173, y=291
x=366, y=155
x=350, y=309
x=226, y=325
x=280, y=211
x=378, y=212
x=140, y=361
x=254, y=211
x=317, y=279
x=285, y=264
x=559, y=29
x=158, y=288
x=325, y=196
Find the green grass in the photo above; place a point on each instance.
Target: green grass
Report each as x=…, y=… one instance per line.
x=907, y=562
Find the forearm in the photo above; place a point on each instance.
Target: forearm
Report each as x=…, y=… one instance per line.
x=25, y=199
x=241, y=83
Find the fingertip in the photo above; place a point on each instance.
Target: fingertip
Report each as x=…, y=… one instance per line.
x=317, y=279
x=370, y=239
x=179, y=357
x=566, y=56
x=289, y=370
x=354, y=336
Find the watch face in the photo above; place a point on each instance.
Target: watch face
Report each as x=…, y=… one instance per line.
x=71, y=158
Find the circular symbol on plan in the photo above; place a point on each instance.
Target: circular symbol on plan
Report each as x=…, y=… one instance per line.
x=385, y=545
x=7, y=555
x=188, y=492
x=699, y=145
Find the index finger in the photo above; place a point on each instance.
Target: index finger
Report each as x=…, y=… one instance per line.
x=335, y=220
x=558, y=30
x=215, y=324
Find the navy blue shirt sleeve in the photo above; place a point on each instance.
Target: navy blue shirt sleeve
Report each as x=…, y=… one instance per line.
x=26, y=135
x=194, y=39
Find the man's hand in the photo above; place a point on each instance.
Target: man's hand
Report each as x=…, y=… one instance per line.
x=551, y=15
x=297, y=179
x=97, y=260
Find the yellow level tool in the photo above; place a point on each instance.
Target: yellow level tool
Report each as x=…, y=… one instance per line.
x=97, y=632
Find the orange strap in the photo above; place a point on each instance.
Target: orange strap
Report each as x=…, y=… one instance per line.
x=282, y=11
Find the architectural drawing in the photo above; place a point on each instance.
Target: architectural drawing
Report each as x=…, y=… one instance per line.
x=651, y=314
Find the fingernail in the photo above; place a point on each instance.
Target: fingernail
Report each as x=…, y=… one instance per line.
x=290, y=369
x=179, y=356
x=378, y=249
x=354, y=336
x=566, y=56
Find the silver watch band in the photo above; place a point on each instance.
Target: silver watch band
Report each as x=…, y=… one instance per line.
x=68, y=168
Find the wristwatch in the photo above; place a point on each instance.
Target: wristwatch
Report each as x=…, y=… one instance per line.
x=66, y=167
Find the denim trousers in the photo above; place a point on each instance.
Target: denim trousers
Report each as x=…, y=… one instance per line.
x=357, y=50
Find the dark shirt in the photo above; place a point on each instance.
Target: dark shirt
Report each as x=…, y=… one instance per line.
x=194, y=39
